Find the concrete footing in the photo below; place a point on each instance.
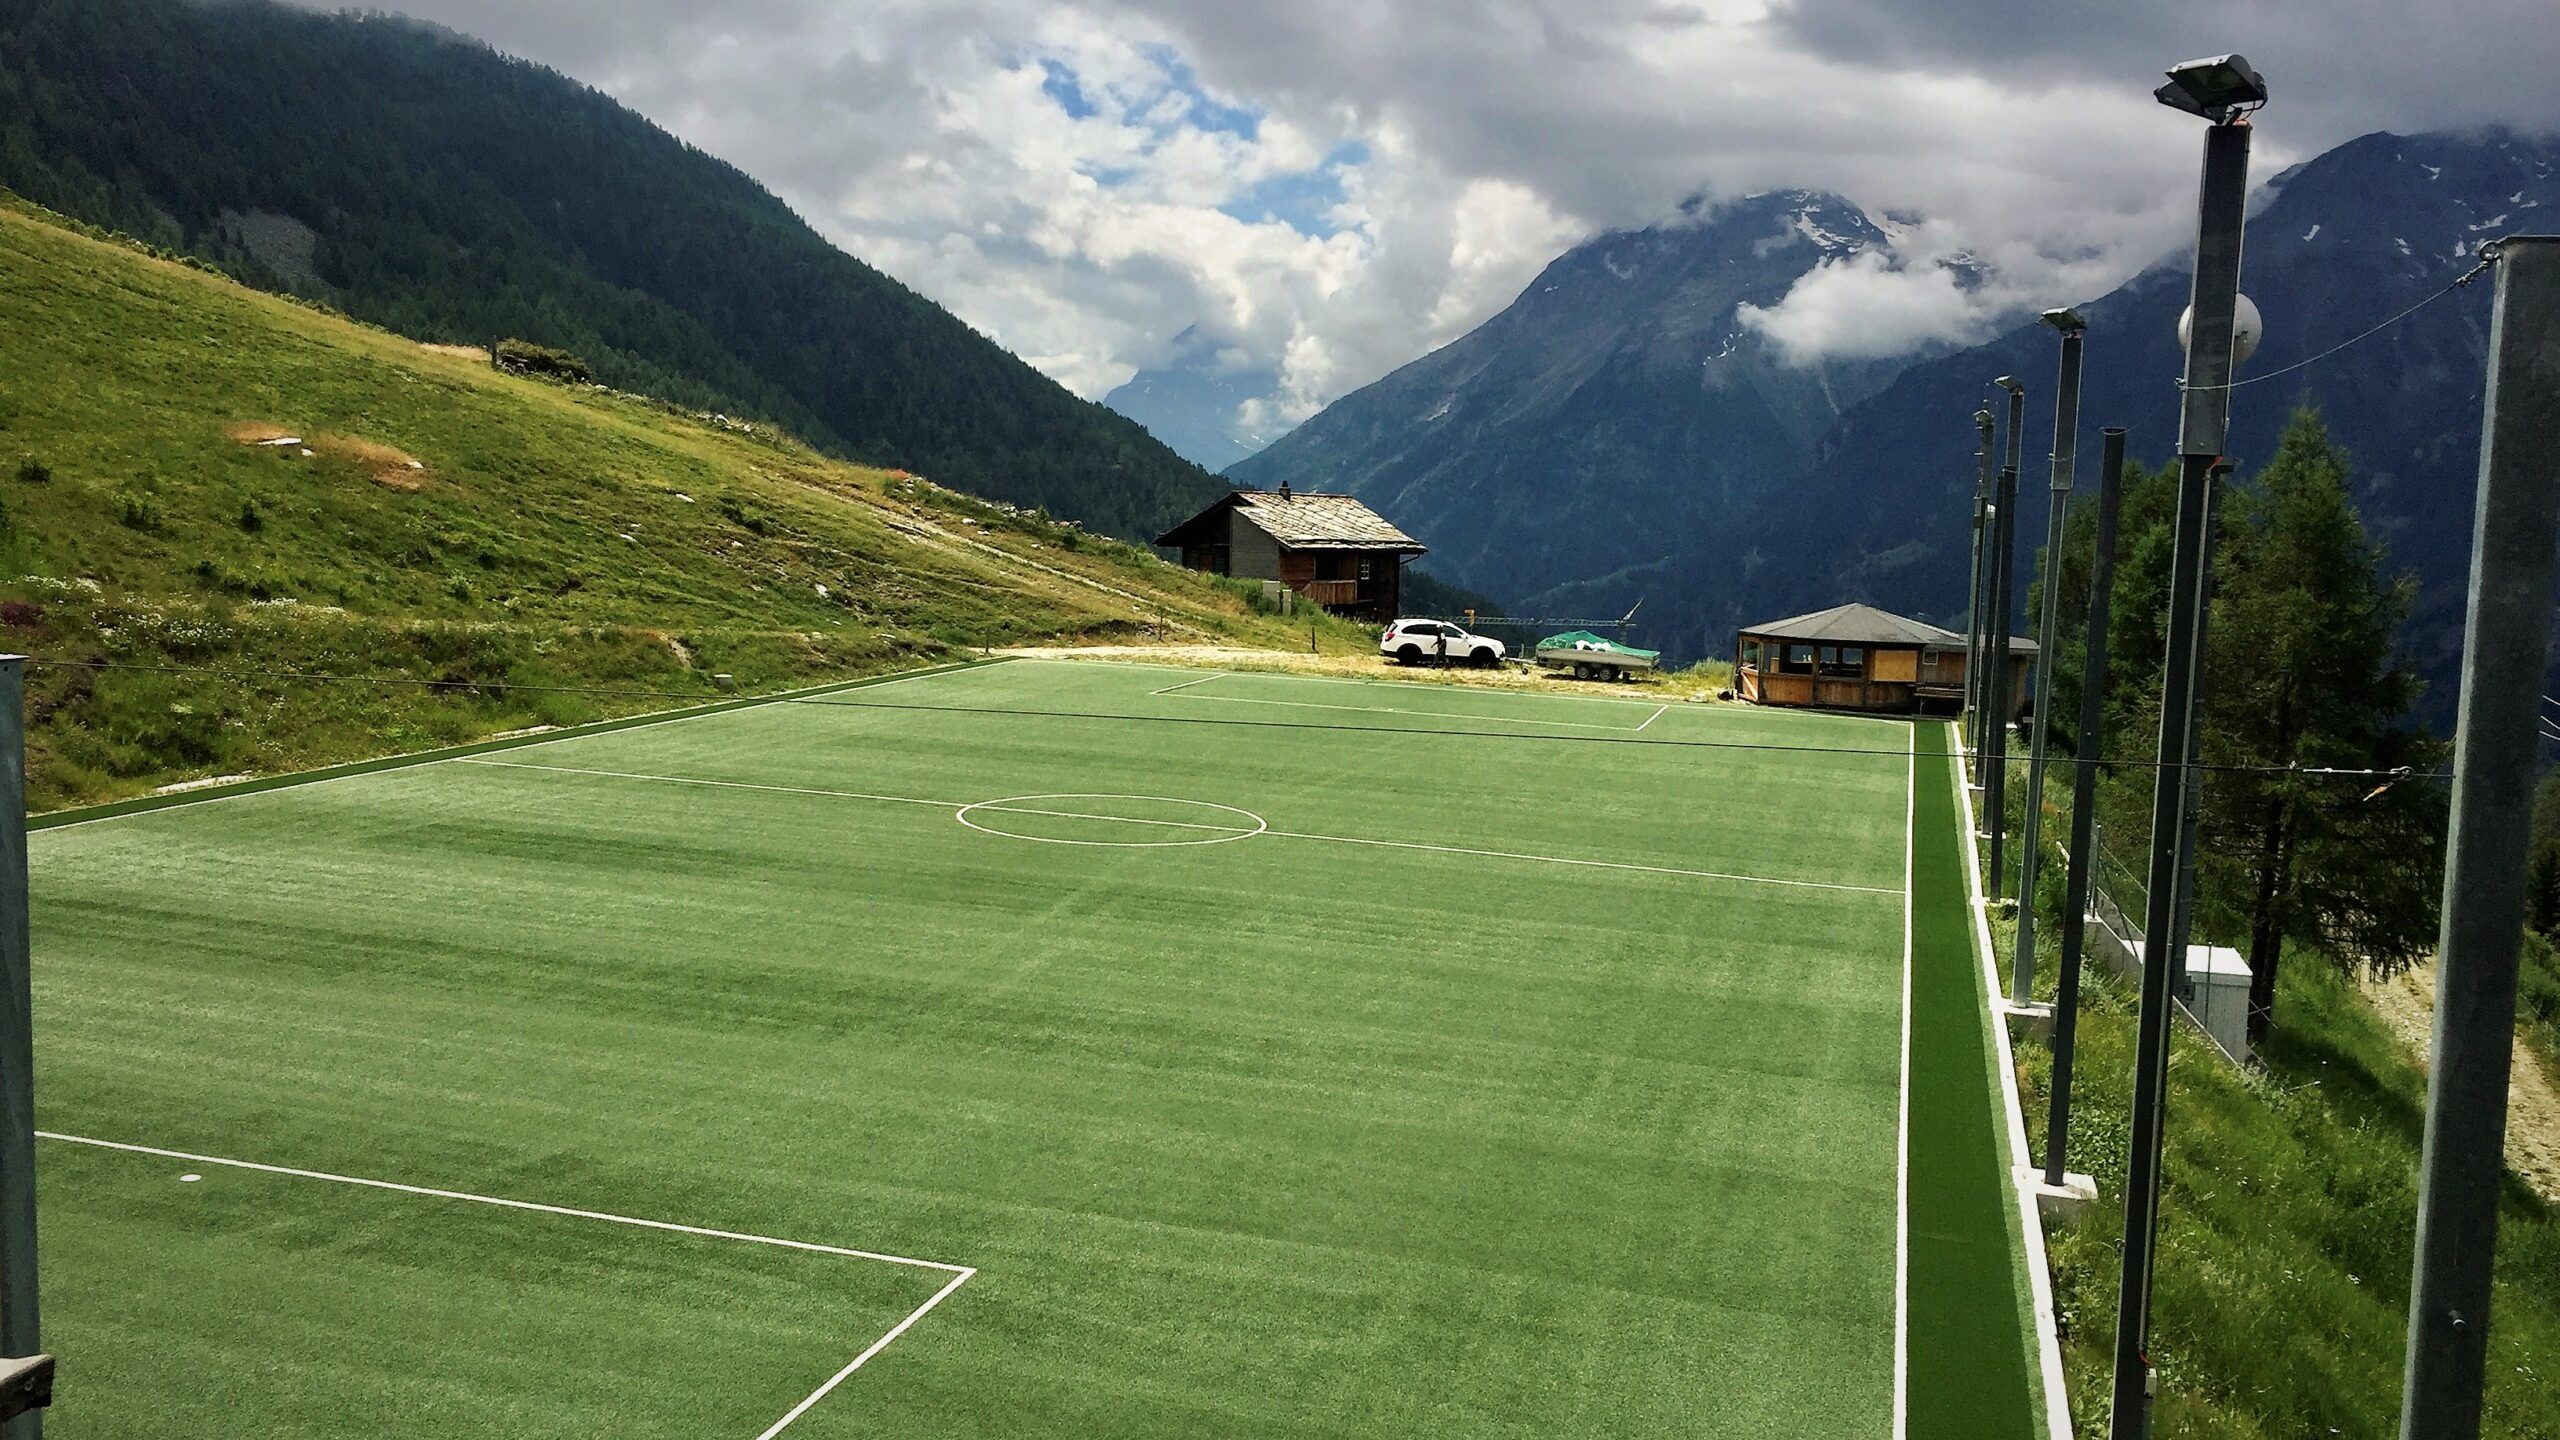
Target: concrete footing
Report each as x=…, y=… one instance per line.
x=2035, y=1021
x=2062, y=1204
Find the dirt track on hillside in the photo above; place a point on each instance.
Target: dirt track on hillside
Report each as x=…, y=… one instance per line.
x=2408, y=1005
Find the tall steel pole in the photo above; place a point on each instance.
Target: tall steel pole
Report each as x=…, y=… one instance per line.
x=1995, y=642
x=2221, y=216
x=1981, y=598
x=2507, y=643
x=2066, y=442
x=2084, y=807
x=2191, y=821
x=19, y=1336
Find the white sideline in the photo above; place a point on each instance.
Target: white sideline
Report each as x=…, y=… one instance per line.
x=1398, y=710
x=959, y=1273
x=1389, y=682
x=2057, y=1398
x=957, y=805
x=1902, y=1137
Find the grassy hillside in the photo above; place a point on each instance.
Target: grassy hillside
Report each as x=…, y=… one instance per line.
x=440, y=522
x=423, y=181
x=2281, y=1306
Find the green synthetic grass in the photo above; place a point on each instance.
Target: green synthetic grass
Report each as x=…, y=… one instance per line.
x=1270, y=1136
x=1968, y=1347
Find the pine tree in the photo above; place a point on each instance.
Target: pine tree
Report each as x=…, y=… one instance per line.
x=2303, y=675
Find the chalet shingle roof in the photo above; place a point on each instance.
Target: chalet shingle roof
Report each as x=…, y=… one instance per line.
x=1308, y=521
x=1866, y=625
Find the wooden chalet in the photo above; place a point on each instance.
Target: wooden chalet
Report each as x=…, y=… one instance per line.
x=1857, y=657
x=1330, y=548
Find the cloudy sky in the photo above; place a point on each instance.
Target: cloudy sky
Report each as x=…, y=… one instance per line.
x=1329, y=188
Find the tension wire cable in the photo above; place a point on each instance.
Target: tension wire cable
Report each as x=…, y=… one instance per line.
x=2488, y=257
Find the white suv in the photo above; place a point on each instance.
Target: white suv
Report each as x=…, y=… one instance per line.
x=1414, y=641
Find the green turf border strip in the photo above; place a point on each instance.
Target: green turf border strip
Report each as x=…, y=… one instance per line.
x=144, y=803
x=1967, y=1371
x=2034, y=1278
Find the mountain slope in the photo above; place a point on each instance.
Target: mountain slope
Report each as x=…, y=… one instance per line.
x=425, y=182
x=465, y=537
x=1618, y=403
x=2344, y=241
x=1194, y=401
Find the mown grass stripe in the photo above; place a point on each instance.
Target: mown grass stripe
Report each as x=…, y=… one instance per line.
x=1968, y=1355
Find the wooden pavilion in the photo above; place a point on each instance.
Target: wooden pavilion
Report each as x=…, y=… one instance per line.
x=1857, y=657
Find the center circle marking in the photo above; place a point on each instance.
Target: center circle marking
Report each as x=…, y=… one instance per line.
x=1246, y=824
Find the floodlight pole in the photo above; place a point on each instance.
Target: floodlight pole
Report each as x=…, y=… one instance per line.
x=2084, y=807
x=1980, y=598
x=19, y=1336
x=2191, y=823
x=2066, y=442
x=1995, y=642
x=2507, y=641
x=2221, y=216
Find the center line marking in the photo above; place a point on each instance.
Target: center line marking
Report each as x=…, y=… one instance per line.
x=957, y=805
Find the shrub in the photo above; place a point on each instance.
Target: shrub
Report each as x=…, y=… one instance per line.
x=21, y=614
x=137, y=511
x=523, y=357
x=250, y=520
x=32, y=471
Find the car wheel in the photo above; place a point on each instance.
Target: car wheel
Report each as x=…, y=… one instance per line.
x=1485, y=660
x=1409, y=655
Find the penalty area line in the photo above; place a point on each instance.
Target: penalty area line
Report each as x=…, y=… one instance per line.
x=960, y=1274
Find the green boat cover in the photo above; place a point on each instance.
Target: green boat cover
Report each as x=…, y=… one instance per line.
x=1584, y=640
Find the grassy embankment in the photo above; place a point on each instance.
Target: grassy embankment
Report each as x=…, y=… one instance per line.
x=476, y=534
x=2281, y=1303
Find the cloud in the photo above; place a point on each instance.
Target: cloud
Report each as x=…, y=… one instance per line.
x=1332, y=187
x=1863, y=307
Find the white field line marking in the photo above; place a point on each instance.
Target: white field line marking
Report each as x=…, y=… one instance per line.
x=1014, y=805
x=1593, y=864
x=838, y=1378
x=957, y=805
x=1187, y=684
x=1658, y=712
x=1902, y=1138
x=576, y=733
x=505, y=1204
x=959, y=1274
x=710, y=784
x=2023, y=1176
x=1432, y=714
x=1432, y=687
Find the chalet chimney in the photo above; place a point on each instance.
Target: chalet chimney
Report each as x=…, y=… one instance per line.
x=1284, y=489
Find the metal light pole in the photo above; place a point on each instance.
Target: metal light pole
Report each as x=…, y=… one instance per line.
x=2223, y=90
x=30, y=1380
x=2507, y=641
x=1995, y=641
x=2066, y=442
x=2084, y=808
x=1980, y=598
x=2191, y=823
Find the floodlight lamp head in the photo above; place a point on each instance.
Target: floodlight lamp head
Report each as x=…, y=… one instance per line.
x=2220, y=88
x=1982, y=418
x=2010, y=384
x=2065, y=319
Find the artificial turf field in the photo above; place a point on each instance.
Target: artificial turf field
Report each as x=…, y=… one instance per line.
x=1186, y=1054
